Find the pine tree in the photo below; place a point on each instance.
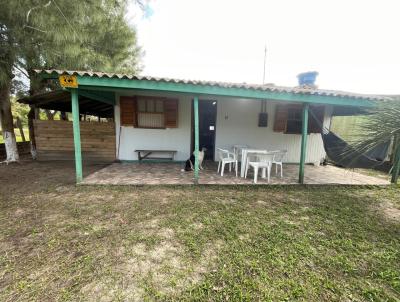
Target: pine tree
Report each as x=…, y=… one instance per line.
x=67, y=34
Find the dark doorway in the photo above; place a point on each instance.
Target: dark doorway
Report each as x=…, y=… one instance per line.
x=207, y=127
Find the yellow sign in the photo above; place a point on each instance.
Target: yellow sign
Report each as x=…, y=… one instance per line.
x=69, y=81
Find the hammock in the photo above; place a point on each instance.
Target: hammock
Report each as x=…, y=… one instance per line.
x=344, y=155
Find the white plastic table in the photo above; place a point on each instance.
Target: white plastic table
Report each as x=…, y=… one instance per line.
x=245, y=152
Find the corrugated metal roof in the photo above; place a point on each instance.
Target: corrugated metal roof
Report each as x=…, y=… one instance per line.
x=265, y=87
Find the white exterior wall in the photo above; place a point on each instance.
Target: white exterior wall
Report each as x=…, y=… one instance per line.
x=237, y=123
x=165, y=139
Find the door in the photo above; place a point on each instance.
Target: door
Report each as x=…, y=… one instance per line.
x=207, y=127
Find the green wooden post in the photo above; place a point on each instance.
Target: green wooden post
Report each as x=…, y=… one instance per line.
x=304, y=133
x=77, y=134
x=396, y=166
x=196, y=139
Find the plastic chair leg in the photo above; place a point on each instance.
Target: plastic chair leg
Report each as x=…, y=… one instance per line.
x=222, y=169
x=255, y=174
x=236, y=167
x=245, y=171
x=219, y=165
x=246, y=164
x=264, y=172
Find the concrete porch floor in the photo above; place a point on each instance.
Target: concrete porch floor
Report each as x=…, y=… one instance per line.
x=172, y=174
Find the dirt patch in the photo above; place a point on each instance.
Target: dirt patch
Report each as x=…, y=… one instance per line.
x=34, y=176
x=164, y=268
x=19, y=213
x=197, y=225
x=163, y=264
x=390, y=211
x=225, y=200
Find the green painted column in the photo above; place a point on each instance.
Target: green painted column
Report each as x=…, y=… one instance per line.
x=196, y=139
x=77, y=134
x=304, y=133
x=396, y=166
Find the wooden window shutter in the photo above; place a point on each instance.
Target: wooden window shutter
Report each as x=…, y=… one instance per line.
x=128, y=109
x=315, y=126
x=281, y=114
x=171, y=113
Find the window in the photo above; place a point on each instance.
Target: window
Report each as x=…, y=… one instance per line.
x=149, y=112
x=294, y=120
x=150, y=105
x=288, y=119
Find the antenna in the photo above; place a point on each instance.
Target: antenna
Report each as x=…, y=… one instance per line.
x=263, y=102
x=265, y=60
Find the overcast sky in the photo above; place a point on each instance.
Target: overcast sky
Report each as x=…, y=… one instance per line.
x=353, y=44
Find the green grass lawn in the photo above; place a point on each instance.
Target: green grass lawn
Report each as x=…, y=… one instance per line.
x=17, y=135
x=59, y=242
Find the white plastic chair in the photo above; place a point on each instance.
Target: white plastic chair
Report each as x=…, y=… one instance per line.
x=237, y=149
x=251, y=157
x=278, y=160
x=226, y=157
x=264, y=161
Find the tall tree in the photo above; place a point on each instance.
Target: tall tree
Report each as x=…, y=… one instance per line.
x=68, y=34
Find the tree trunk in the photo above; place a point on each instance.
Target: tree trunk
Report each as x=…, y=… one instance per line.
x=31, y=116
x=49, y=114
x=21, y=130
x=7, y=124
x=396, y=165
x=63, y=116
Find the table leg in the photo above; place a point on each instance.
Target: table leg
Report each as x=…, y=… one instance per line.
x=243, y=163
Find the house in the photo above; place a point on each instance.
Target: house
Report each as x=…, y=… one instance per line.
x=161, y=114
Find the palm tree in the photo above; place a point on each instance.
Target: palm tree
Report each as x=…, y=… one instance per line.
x=381, y=126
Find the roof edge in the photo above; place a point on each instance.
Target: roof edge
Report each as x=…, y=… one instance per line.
x=258, y=87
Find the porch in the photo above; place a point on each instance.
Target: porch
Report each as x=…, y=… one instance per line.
x=172, y=174
x=163, y=114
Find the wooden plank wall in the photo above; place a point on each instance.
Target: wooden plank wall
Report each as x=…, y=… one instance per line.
x=23, y=148
x=54, y=140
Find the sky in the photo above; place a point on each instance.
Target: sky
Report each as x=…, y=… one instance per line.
x=354, y=45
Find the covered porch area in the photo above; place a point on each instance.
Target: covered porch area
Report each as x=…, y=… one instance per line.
x=177, y=126
x=173, y=174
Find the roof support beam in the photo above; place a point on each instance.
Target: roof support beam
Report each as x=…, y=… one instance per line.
x=304, y=133
x=77, y=134
x=196, y=138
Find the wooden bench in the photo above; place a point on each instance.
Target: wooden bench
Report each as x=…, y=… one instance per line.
x=146, y=154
